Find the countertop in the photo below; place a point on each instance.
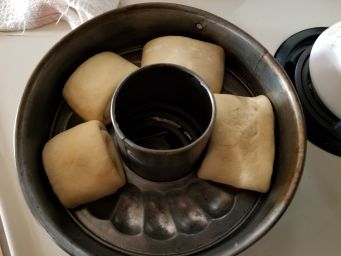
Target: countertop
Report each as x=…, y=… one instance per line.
x=311, y=225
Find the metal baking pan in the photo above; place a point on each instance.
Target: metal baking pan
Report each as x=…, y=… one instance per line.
x=182, y=217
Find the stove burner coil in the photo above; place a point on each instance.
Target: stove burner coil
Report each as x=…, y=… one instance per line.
x=323, y=127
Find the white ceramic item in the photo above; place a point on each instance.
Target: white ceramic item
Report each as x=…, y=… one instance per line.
x=325, y=68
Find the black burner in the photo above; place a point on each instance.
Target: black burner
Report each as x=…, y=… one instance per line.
x=323, y=127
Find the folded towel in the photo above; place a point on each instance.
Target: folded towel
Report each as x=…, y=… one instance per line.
x=19, y=15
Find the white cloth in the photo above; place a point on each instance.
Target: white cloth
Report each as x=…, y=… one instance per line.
x=19, y=15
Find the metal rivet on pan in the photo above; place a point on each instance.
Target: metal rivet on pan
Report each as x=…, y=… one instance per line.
x=199, y=26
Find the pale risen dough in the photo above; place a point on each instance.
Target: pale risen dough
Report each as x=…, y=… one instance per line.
x=205, y=59
x=82, y=164
x=89, y=89
x=242, y=147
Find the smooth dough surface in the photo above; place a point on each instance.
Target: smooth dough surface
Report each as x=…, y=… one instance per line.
x=205, y=59
x=89, y=89
x=82, y=164
x=242, y=147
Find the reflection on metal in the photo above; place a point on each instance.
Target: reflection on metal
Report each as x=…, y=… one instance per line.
x=4, y=249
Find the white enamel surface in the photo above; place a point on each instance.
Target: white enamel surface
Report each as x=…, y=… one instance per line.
x=325, y=68
x=312, y=224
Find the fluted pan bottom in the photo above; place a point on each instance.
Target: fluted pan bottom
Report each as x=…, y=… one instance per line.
x=172, y=218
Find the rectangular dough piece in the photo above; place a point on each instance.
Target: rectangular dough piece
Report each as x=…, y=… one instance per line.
x=205, y=59
x=82, y=164
x=242, y=147
x=91, y=86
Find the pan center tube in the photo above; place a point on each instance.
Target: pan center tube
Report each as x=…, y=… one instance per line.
x=163, y=116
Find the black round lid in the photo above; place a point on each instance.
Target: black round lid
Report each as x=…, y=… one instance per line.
x=323, y=127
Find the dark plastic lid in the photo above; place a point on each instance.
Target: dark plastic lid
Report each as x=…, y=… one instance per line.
x=323, y=127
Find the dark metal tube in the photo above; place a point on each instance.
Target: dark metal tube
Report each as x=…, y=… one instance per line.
x=163, y=116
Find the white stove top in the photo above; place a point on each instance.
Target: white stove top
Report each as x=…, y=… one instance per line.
x=312, y=224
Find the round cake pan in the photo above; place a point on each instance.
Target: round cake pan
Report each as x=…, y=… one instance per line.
x=182, y=217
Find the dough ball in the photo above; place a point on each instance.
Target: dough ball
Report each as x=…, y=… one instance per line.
x=242, y=147
x=82, y=164
x=89, y=89
x=205, y=59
